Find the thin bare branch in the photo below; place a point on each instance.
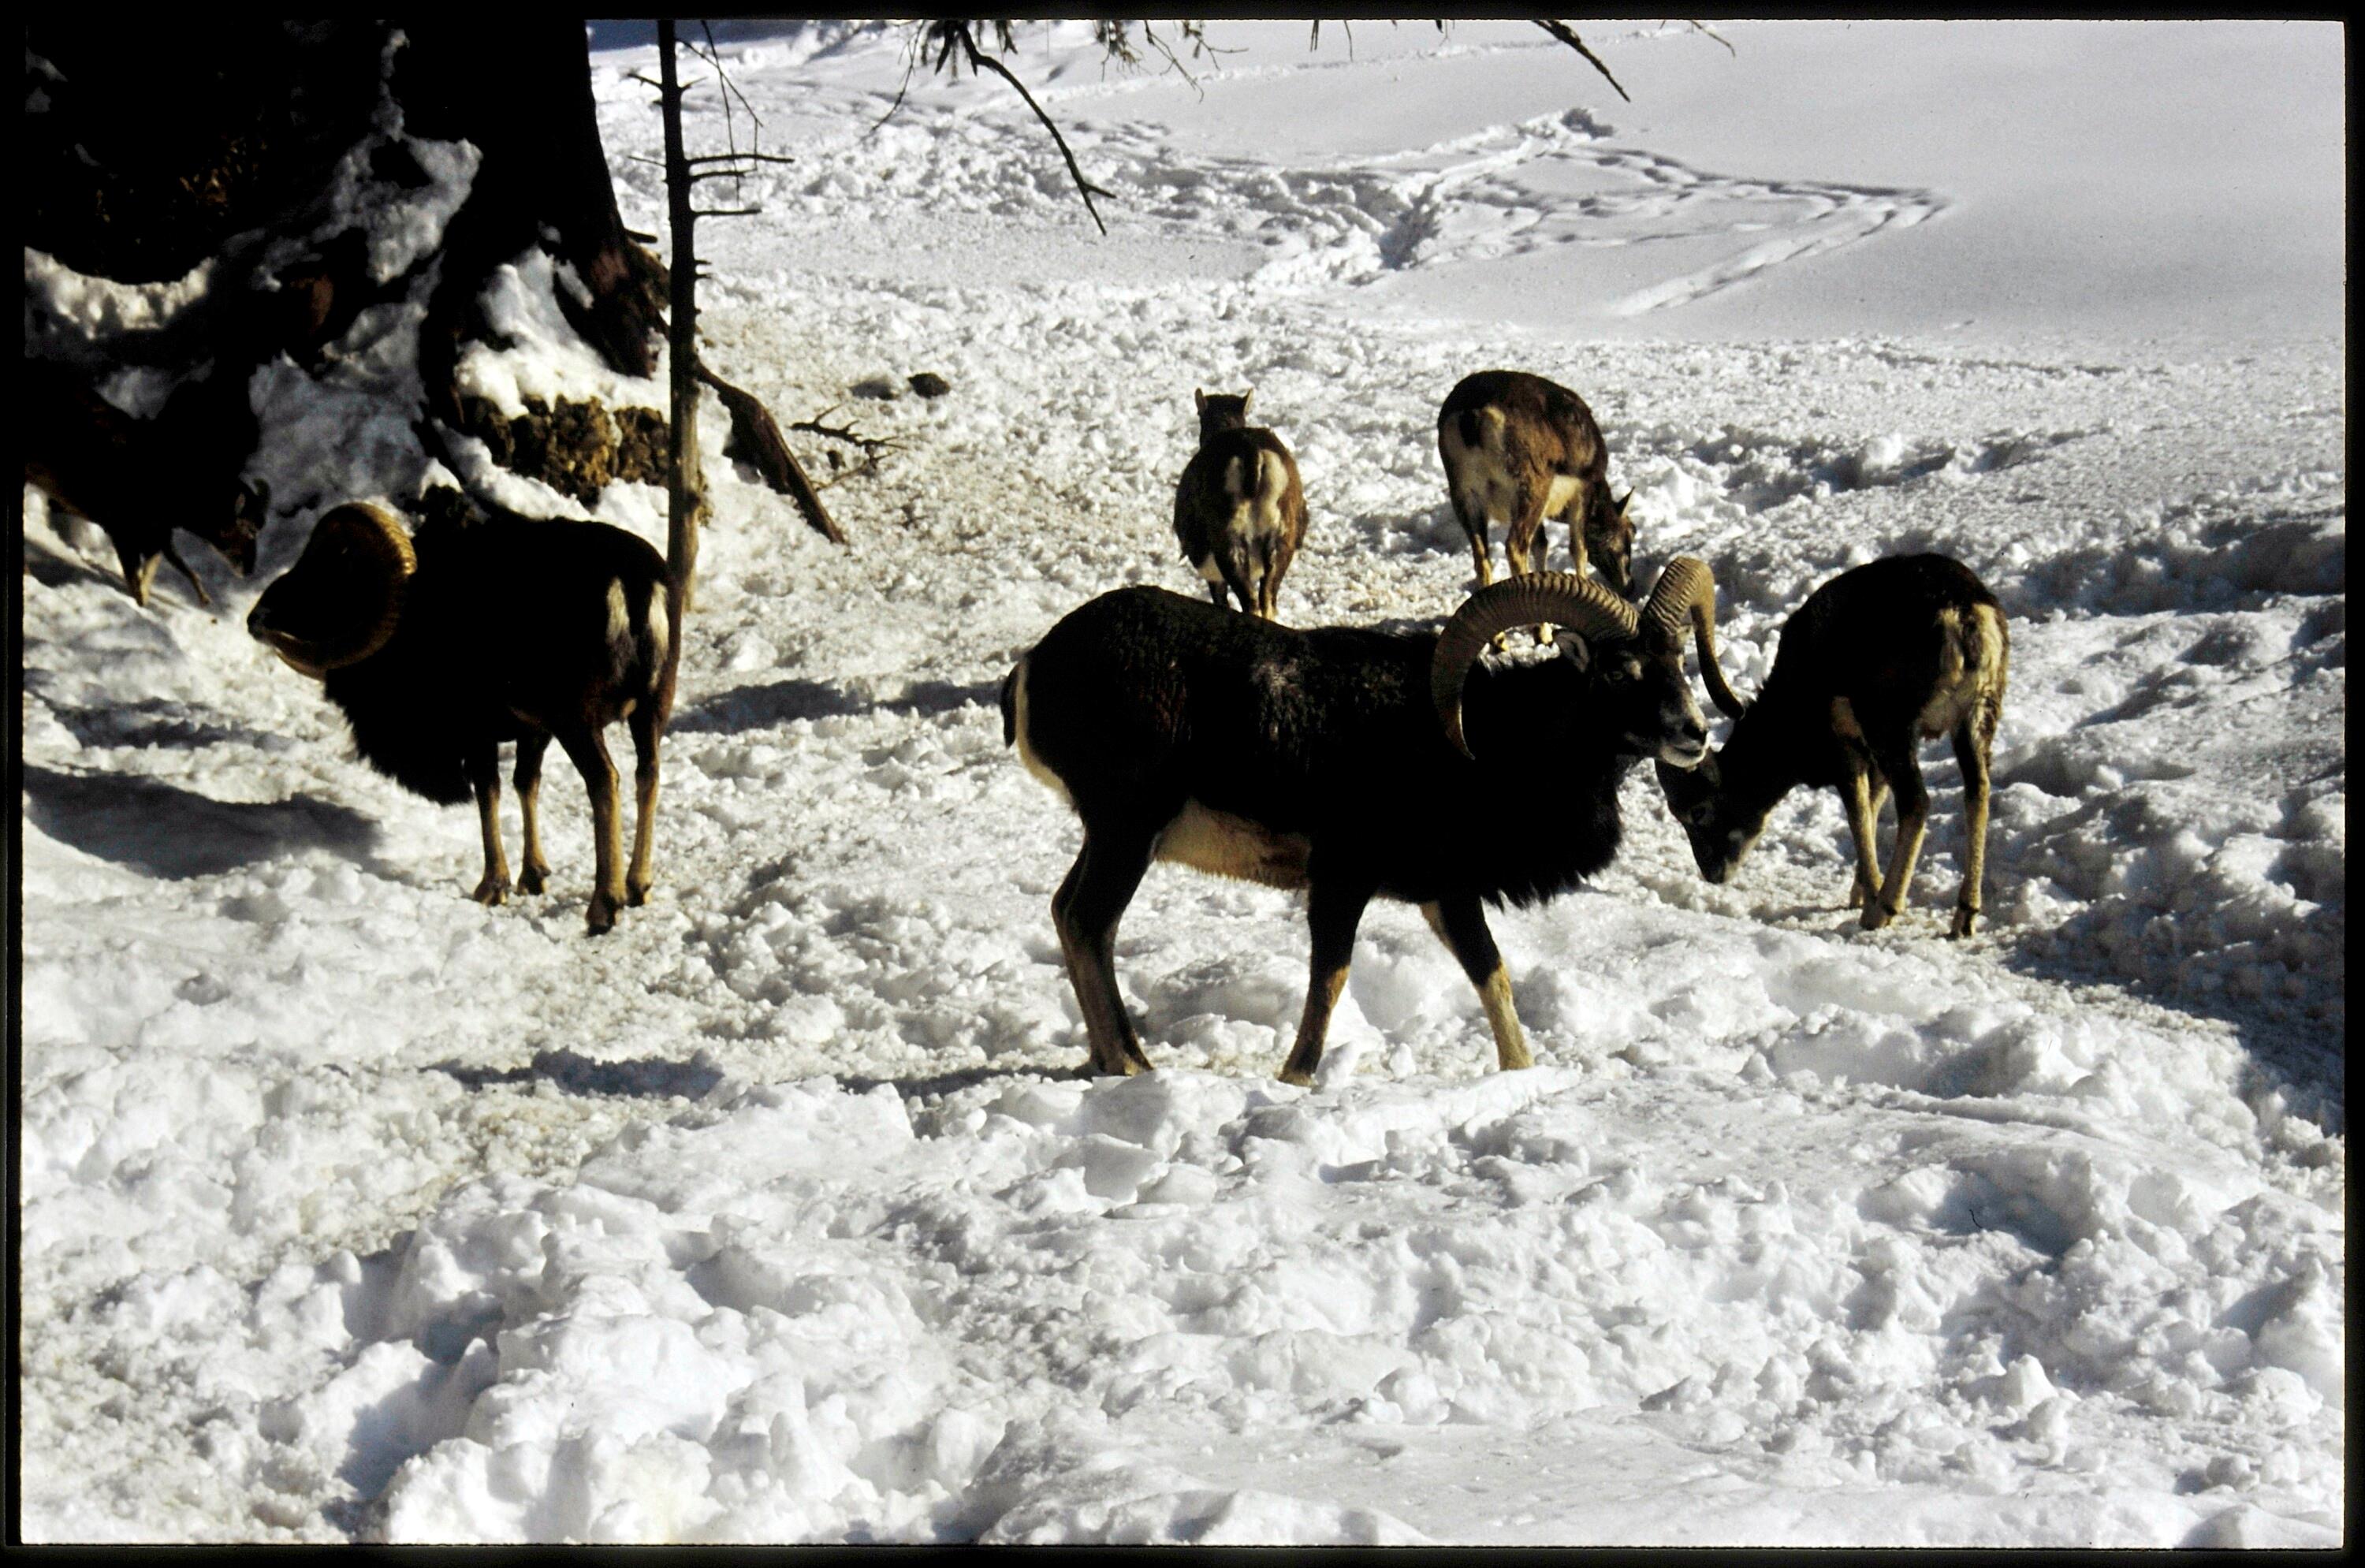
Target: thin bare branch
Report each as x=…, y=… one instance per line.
x=724, y=211
x=756, y=157
x=712, y=56
x=682, y=92
x=910, y=63
x=1567, y=35
x=1173, y=62
x=872, y=447
x=1720, y=37
x=979, y=60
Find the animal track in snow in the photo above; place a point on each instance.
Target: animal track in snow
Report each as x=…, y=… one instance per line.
x=1508, y=190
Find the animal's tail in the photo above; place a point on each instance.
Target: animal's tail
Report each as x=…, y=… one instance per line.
x=1481, y=428
x=1010, y=704
x=1255, y=492
x=643, y=653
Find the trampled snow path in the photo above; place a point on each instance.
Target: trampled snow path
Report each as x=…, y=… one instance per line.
x=352, y=1208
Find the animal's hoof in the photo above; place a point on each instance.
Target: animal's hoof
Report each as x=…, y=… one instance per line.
x=534, y=879
x=1858, y=897
x=490, y=893
x=634, y=897
x=1967, y=921
x=601, y=916
x=1298, y=1076
x=1544, y=636
x=1877, y=914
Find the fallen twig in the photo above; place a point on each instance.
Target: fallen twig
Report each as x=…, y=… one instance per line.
x=871, y=446
x=755, y=438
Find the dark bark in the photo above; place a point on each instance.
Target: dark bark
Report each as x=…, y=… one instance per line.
x=686, y=482
x=520, y=89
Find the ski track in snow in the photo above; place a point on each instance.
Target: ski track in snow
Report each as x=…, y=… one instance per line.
x=353, y=1209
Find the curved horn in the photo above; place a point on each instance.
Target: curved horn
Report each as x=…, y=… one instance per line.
x=1686, y=591
x=363, y=557
x=1563, y=598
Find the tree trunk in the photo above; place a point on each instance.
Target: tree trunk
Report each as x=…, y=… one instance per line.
x=686, y=483
x=150, y=152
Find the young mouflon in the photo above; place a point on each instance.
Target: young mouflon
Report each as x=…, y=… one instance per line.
x=1519, y=449
x=1240, y=513
x=139, y=479
x=1878, y=659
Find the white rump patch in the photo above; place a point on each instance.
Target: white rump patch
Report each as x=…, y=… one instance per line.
x=620, y=620
x=1034, y=766
x=1960, y=687
x=660, y=628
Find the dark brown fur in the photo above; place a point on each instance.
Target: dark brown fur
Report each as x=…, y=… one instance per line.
x=1314, y=760
x=138, y=479
x=507, y=632
x=1878, y=659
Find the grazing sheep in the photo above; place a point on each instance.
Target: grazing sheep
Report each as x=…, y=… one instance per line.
x=513, y=628
x=1240, y=513
x=1518, y=449
x=1880, y=658
x=1335, y=760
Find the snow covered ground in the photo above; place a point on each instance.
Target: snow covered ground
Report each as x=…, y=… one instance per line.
x=354, y=1210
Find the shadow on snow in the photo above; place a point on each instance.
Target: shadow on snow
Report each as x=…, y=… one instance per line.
x=176, y=833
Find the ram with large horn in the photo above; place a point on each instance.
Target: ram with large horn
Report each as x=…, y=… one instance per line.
x=1352, y=764
x=516, y=628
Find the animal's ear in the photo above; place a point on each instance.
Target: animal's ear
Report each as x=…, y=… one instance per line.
x=1575, y=650
x=1199, y=396
x=1622, y=500
x=1244, y=399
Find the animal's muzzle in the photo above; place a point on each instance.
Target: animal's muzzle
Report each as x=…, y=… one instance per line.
x=1687, y=749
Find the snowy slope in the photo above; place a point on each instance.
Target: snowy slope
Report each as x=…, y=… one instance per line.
x=354, y=1210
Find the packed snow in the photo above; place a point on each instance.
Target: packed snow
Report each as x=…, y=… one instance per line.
x=354, y=1210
